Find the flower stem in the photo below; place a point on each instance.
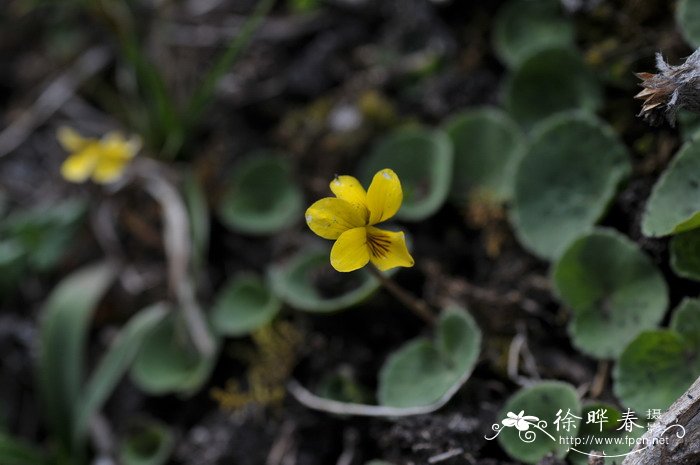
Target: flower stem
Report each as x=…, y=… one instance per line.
x=418, y=306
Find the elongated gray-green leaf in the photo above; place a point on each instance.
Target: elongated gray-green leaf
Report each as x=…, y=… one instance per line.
x=113, y=366
x=63, y=336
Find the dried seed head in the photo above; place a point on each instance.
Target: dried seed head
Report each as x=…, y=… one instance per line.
x=673, y=88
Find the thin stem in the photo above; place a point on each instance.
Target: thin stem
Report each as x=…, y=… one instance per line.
x=600, y=379
x=413, y=303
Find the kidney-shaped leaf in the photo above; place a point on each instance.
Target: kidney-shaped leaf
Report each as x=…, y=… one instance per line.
x=423, y=371
x=686, y=321
x=523, y=27
x=147, y=442
x=422, y=159
x=674, y=204
x=565, y=181
x=307, y=282
x=549, y=82
x=654, y=370
x=167, y=361
x=487, y=147
x=243, y=305
x=261, y=197
x=542, y=401
x=685, y=254
x=614, y=291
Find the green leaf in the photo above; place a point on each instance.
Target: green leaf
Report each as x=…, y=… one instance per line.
x=543, y=401
x=261, y=197
x=524, y=27
x=422, y=371
x=604, y=427
x=343, y=387
x=113, y=366
x=614, y=290
x=688, y=18
x=167, y=362
x=63, y=338
x=307, y=282
x=422, y=159
x=565, y=182
x=243, y=305
x=146, y=443
x=14, y=451
x=685, y=254
x=686, y=321
x=12, y=265
x=45, y=232
x=674, y=204
x=549, y=82
x=654, y=370
x=487, y=148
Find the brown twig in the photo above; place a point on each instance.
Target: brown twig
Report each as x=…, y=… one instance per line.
x=418, y=306
x=600, y=379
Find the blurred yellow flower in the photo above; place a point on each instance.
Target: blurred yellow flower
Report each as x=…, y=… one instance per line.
x=103, y=160
x=349, y=219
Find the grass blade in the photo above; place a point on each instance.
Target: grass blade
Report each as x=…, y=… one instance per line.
x=114, y=365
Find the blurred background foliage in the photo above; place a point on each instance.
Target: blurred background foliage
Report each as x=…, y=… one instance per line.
x=166, y=318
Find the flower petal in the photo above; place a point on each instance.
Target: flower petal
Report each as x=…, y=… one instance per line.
x=384, y=196
x=115, y=146
x=71, y=140
x=509, y=422
x=109, y=169
x=80, y=165
x=330, y=217
x=350, y=251
x=388, y=249
x=349, y=189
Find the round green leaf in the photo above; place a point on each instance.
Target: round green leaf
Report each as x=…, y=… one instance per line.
x=654, y=370
x=422, y=371
x=422, y=159
x=261, y=197
x=685, y=254
x=544, y=401
x=686, y=321
x=549, y=82
x=146, y=443
x=674, y=204
x=487, y=147
x=602, y=422
x=688, y=18
x=308, y=282
x=243, y=305
x=524, y=27
x=565, y=182
x=614, y=291
x=167, y=361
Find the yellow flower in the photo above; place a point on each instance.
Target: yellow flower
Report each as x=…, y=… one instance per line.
x=349, y=219
x=104, y=160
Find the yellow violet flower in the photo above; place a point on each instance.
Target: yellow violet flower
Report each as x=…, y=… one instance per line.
x=103, y=160
x=349, y=219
